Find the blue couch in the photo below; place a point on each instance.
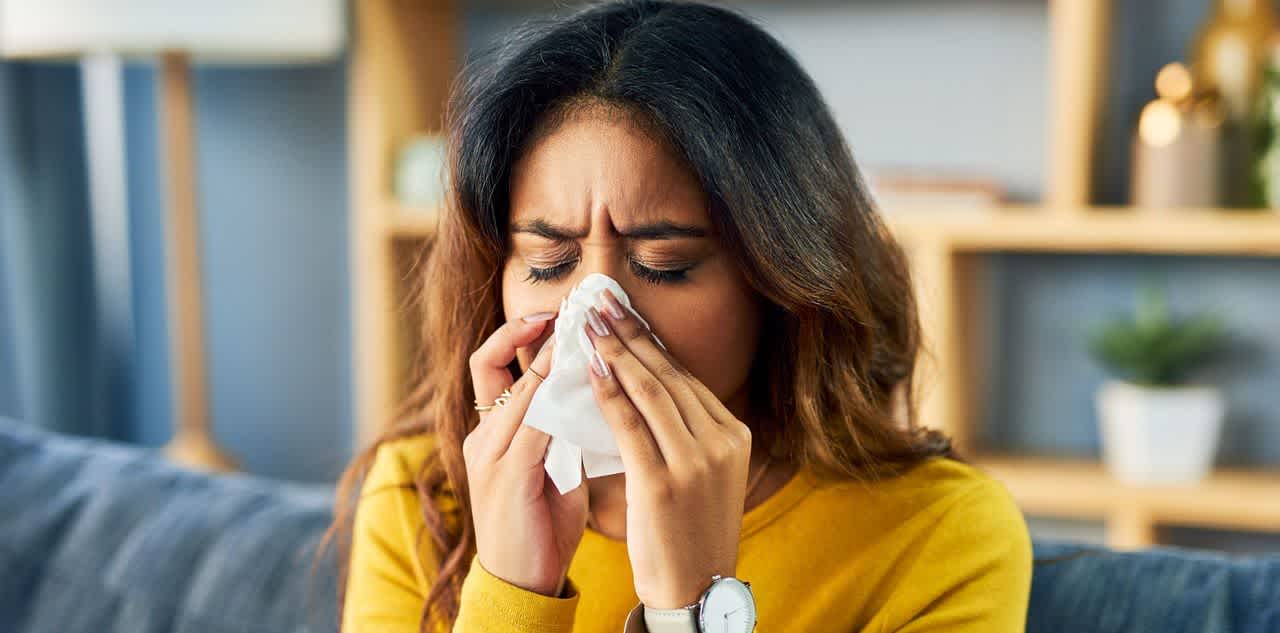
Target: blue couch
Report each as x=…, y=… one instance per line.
x=98, y=537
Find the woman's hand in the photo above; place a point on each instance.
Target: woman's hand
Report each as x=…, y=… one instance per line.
x=526, y=531
x=686, y=458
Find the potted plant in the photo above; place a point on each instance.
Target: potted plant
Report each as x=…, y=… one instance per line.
x=1156, y=428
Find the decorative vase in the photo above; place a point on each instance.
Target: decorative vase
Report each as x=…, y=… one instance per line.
x=1230, y=50
x=1178, y=134
x=420, y=176
x=1159, y=436
x=1227, y=59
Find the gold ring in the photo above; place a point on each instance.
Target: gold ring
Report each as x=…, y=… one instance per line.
x=500, y=401
x=535, y=373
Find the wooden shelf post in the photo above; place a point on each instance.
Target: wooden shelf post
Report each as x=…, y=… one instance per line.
x=1078, y=31
x=403, y=58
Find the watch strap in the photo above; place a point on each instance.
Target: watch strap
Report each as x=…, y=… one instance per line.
x=642, y=619
x=635, y=620
x=671, y=620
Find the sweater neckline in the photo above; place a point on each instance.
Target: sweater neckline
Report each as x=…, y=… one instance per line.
x=755, y=519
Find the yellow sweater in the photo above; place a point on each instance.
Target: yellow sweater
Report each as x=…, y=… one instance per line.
x=940, y=548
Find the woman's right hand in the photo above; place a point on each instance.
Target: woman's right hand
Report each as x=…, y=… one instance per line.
x=526, y=531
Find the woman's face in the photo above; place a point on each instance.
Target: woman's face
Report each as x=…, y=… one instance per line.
x=597, y=195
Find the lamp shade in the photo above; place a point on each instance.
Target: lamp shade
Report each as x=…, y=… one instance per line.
x=232, y=31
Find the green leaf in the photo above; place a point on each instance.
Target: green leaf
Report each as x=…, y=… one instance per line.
x=1151, y=348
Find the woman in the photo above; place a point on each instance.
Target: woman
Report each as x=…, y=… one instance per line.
x=680, y=150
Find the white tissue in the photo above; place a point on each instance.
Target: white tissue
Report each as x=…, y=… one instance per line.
x=564, y=406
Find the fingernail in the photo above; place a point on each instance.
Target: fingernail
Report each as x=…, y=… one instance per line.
x=612, y=304
x=538, y=316
x=597, y=323
x=598, y=365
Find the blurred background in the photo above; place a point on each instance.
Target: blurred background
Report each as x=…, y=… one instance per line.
x=212, y=237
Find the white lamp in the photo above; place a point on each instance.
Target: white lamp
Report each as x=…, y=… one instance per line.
x=178, y=31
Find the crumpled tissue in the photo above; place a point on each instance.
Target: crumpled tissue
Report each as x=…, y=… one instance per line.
x=564, y=406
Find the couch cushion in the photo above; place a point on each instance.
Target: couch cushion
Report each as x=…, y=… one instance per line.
x=102, y=537
x=1166, y=589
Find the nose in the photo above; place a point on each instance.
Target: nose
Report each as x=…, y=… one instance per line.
x=609, y=262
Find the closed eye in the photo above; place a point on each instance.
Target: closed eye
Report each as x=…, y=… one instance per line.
x=657, y=275
x=539, y=275
x=651, y=275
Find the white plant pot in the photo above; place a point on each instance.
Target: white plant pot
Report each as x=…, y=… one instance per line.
x=1159, y=436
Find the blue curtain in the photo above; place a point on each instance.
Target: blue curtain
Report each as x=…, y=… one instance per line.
x=272, y=158
x=47, y=332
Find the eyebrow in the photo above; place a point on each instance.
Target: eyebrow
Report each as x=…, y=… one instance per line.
x=661, y=230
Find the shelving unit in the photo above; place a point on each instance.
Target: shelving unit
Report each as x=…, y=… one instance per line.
x=411, y=224
x=1084, y=229
x=946, y=249
x=404, y=57
x=1229, y=498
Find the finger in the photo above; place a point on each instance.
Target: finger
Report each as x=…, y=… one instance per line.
x=542, y=360
x=489, y=373
x=501, y=423
x=529, y=446
x=645, y=391
x=638, y=338
x=639, y=449
x=719, y=413
x=540, y=366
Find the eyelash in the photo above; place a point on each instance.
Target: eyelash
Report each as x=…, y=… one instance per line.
x=651, y=275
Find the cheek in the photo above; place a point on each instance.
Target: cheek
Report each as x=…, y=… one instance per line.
x=516, y=297
x=713, y=334
x=520, y=299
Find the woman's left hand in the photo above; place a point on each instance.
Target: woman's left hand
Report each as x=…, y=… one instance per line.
x=686, y=459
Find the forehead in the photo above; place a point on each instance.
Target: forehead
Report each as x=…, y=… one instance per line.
x=602, y=162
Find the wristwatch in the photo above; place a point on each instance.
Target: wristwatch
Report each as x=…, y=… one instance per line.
x=727, y=606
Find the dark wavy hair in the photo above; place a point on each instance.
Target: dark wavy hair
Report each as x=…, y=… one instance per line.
x=833, y=378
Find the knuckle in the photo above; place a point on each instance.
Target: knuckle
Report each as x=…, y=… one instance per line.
x=720, y=453
x=698, y=466
x=671, y=371
x=610, y=349
x=526, y=382
x=633, y=330
x=650, y=388
x=609, y=389
x=661, y=491
x=519, y=386
x=630, y=421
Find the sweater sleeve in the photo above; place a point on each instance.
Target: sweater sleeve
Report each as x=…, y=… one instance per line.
x=389, y=575
x=489, y=603
x=972, y=574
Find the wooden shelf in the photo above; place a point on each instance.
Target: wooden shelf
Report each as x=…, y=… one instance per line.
x=1093, y=230
x=1235, y=499
x=412, y=223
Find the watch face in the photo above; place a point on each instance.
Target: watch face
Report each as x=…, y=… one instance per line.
x=728, y=608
